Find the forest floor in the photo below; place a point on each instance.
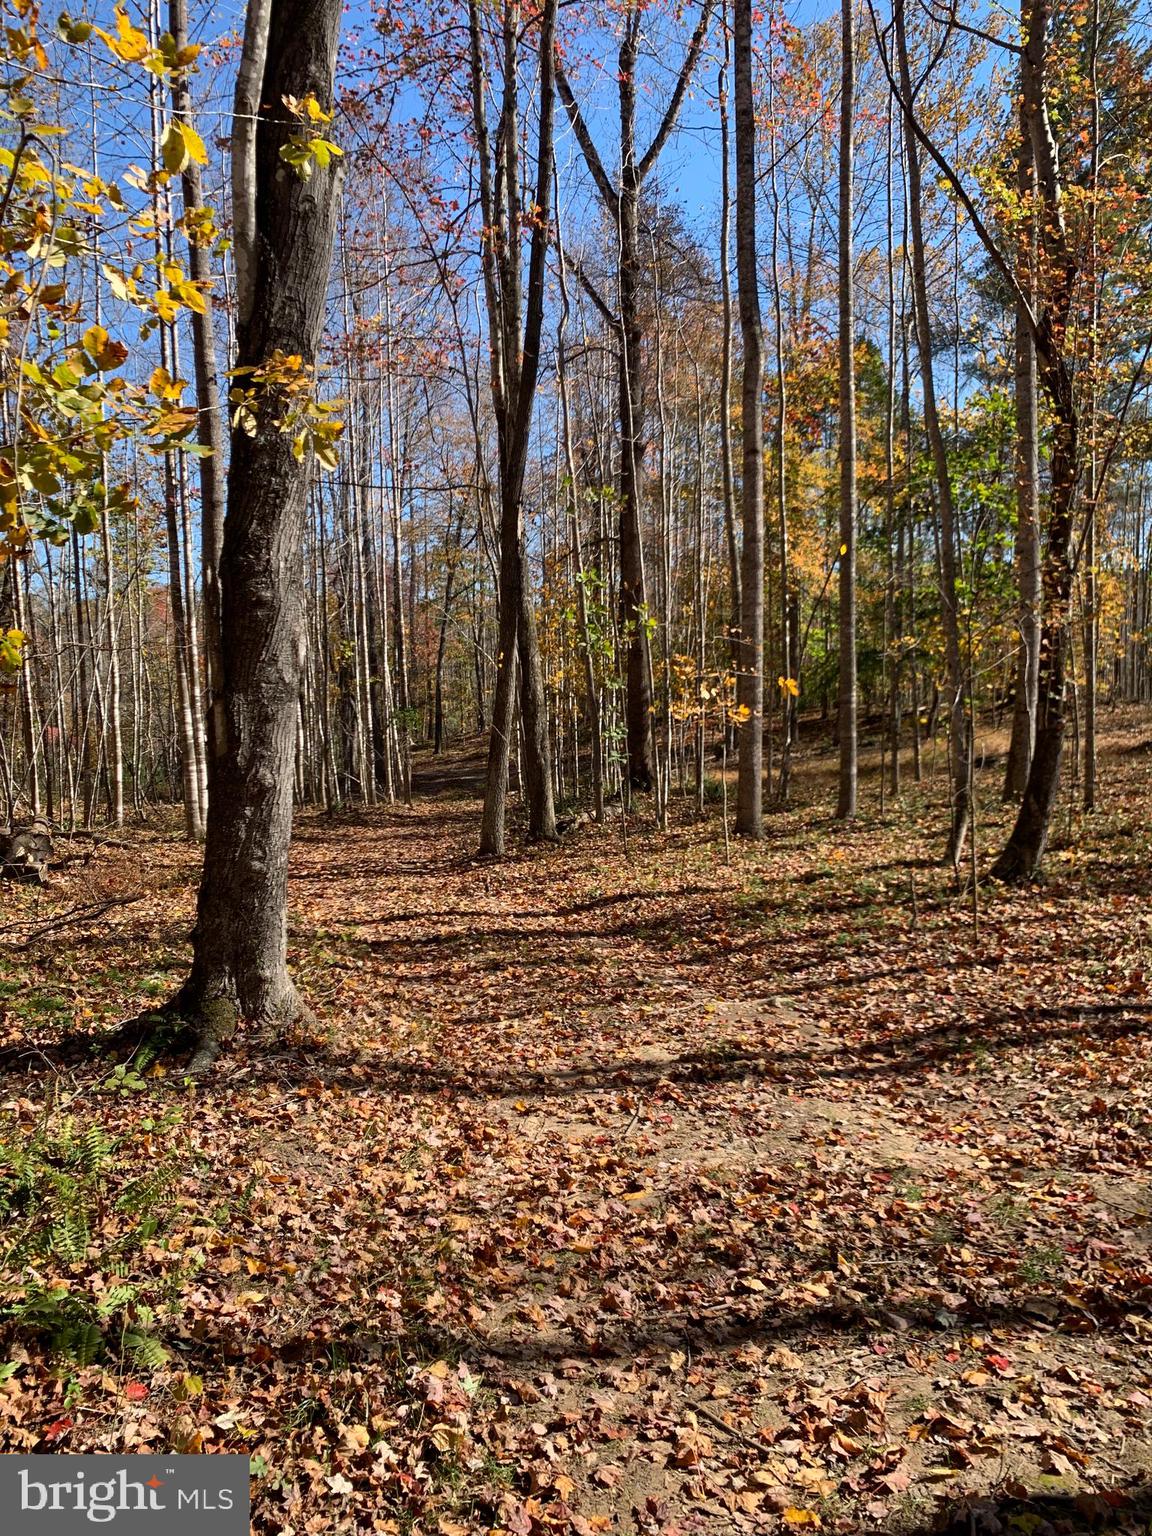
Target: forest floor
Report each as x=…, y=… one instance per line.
x=619, y=1188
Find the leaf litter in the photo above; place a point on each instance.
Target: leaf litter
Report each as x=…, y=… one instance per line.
x=625, y=1190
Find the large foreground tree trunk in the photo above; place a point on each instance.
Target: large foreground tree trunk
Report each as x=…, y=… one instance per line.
x=239, y=967
x=1024, y=852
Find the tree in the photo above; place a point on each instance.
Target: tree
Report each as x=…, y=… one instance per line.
x=286, y=192
x=514, y=349
x=622, y=204
x=846, y=712
x=959, y=757
x=199, y=231
x=1027, y=492
x=750, y=681
x=1024, y=852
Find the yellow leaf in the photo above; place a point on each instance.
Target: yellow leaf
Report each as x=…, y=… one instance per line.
x=129, y=44
x=794, y=1516
x=103, y=351
x=164, y=386
x=191, y=297
x=180, y=144
x=11, y=650
x=123, y=287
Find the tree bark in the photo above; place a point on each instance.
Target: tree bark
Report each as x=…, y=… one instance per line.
x=515, y=361
x=960, y=757
x=750, y=682
x=728, y=478
x=847, y=701
x=239, y=967
x=1027, y=498
x=1023, y=854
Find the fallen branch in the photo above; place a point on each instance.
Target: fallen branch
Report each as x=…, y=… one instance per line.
x=74, y=915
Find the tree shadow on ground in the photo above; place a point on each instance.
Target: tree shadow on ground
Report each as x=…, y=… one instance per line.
x=911, y=1053
x=1006, y=1512
x=705, y=1328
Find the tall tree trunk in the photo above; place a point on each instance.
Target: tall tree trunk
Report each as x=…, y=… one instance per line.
x=210, y=421
x=750, y=683
x=789, y=598
x=112, y=722
x=182, y=659
x=1093, y=487
x=893, y=537
x=728, y=479
x=1027, y=493
x=514, y=342
x=846, y=712
x=586, y=645
x=239, y=966
x=634, y=616
x=960, y=757
x=1024, y=852
x=622, y=204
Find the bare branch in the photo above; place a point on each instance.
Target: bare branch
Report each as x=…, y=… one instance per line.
x=584, y=139
x=681, y=86
x=246, y=108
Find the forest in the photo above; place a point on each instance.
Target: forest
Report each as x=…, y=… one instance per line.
x=576, y=760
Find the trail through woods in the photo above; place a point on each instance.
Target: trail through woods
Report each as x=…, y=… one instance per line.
x=627, y=1191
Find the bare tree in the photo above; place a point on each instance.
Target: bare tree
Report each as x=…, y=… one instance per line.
x=622, y=202
x=1027, y=493
x=1048, y=320
x=514, y=346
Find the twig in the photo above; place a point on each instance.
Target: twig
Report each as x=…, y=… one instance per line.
x=74, y=915
x=98, y=839
x=737, y=1434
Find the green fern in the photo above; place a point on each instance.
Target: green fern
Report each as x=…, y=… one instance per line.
x=83, y=1344
x=71, y=1201
x=146, y=1351
x=115, y=1299
x=94, y=1150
